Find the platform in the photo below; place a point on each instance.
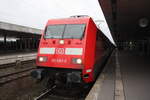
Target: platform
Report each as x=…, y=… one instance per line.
x=12, y=58
x=125, y=77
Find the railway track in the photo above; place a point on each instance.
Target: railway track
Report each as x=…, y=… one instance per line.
x=50, y=94
x=14, y=76
x=10, y=73
x=44, y=94
x=23, y=70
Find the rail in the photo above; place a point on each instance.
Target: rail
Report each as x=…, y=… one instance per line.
x=44, y=93
x=10, y=72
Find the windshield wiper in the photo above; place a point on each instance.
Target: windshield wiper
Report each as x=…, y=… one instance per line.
x=63, y=32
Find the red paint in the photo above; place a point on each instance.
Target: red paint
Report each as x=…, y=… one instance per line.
x=88, y=43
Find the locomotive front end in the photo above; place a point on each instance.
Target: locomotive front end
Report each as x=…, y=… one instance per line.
x=61, y=51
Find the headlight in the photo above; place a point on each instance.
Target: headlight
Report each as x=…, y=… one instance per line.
x=42, y=59
x=61, y=42
x=77, y=61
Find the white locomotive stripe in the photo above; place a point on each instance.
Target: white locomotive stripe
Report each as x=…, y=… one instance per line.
x=47, y=50
x=74, y=51
x=68, y=51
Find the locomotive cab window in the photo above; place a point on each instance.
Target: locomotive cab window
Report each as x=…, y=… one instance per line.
x=74, y=31
x=54, y=31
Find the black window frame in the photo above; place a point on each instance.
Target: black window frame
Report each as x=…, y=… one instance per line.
x=62, y=37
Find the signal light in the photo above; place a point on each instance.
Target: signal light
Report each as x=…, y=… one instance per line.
x=88, y=70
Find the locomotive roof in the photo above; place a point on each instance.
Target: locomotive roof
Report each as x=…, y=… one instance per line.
x=70, y=20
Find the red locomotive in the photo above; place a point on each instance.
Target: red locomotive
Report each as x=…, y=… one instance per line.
x=70, y=50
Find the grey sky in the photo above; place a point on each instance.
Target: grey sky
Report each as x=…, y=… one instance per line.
x=35, y=13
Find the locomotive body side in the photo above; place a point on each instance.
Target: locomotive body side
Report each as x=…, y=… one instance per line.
x=94, y=53
x=90, y=47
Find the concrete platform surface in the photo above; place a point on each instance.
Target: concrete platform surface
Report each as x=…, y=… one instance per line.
x=126, y=76
x=135, y=71
x=12, y=58
x=103, y=88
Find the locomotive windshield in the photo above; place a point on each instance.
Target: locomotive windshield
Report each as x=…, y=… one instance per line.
x=65, y=31
x=54, y=31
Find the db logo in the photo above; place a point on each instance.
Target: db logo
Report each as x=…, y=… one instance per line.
x=60, y=51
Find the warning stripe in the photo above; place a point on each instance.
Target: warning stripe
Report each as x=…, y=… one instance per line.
x=68, y=51
x=73, y=51
x=47, y=50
